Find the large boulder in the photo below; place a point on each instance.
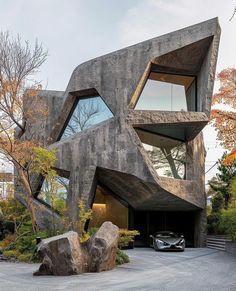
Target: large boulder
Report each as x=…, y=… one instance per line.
x=64, y=254
x=102, y=248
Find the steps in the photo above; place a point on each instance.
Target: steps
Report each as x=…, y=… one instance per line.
x=216, y=242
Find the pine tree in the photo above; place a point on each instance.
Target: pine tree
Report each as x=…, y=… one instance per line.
x=222, y=182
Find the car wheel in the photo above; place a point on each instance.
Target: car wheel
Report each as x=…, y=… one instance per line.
x=156, y=248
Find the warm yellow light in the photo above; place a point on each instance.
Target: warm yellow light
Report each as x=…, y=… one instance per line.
x=99, y=205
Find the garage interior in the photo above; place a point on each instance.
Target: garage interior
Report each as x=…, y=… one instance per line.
x=150, y=222
x=108, y=206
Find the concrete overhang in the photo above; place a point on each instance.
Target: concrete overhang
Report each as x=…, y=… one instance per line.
x=169, y=194
x=186, y=60
x=183, y=126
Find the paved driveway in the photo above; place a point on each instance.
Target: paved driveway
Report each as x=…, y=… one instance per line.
x=193, y=270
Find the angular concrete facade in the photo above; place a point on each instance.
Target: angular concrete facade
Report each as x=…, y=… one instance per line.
x=112, y=154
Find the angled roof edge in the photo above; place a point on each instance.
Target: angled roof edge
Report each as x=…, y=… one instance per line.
x=149, y=49
x=213, y=29
x=210, y=23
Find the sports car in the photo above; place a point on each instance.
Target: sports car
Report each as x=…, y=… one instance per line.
x=167, y=240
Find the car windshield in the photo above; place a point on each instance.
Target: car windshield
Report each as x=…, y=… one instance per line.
x=166, y=234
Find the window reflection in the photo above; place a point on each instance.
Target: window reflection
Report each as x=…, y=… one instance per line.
x=87, y=113
x=167, y=155
x=55, y=193
x=167, y=92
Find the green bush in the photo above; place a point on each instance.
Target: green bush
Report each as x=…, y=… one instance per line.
x=228, y=223
x=26, y=258
x=92, y=231
x=126, y=237
x=11, y=254
x=121, y=257
x=217, y=202
x=15, y=254
x=8, y=239
x=22, y=246
x=213, y=222
x=8, y=226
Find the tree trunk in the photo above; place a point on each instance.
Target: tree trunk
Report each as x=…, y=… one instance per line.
x=26, y=185
x=168, y=156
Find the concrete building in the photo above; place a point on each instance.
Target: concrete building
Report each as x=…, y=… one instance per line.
x=6, y=185
x=128, y=133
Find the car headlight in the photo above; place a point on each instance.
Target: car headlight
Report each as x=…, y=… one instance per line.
x=162, y=243
x=181, y=242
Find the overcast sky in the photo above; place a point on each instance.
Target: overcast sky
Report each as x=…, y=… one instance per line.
x=74, y=31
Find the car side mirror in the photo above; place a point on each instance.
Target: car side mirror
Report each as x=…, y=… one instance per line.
x=182, y=236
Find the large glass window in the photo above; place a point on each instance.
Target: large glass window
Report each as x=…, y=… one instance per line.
x=167, y=92
x=108, y=208
x=167, y=155
x=55, y=193
x=87, y=113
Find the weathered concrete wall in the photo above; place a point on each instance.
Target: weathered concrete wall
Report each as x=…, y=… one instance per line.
x=117, y=75
x=124, y=154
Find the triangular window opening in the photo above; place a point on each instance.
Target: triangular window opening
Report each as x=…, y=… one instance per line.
x=168, y=92
x=55, y=194
x=87, y=113
x=167, y=155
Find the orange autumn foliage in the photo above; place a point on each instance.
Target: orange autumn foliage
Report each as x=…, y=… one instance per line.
x=230, y=158
x=224, y=120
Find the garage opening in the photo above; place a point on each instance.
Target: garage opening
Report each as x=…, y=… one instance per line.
x=149, y=222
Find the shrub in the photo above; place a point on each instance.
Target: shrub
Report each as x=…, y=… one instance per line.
x=78, y=225
x=126, y=237
x=11, y=254
x=217, y=202
x=228, y=223
x=213, y=222
x=121, y=257
x=92, y=231
x=13, y=215
x=15, y=254
x=28, y=257
x=9, y=239
x=8, y=226
x=22, y=246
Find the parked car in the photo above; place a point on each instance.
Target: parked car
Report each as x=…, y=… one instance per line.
x=167, y=240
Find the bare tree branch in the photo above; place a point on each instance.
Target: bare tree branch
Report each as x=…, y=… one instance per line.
x=19, y=106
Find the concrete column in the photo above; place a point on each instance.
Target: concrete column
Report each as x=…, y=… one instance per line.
x=200, y=229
